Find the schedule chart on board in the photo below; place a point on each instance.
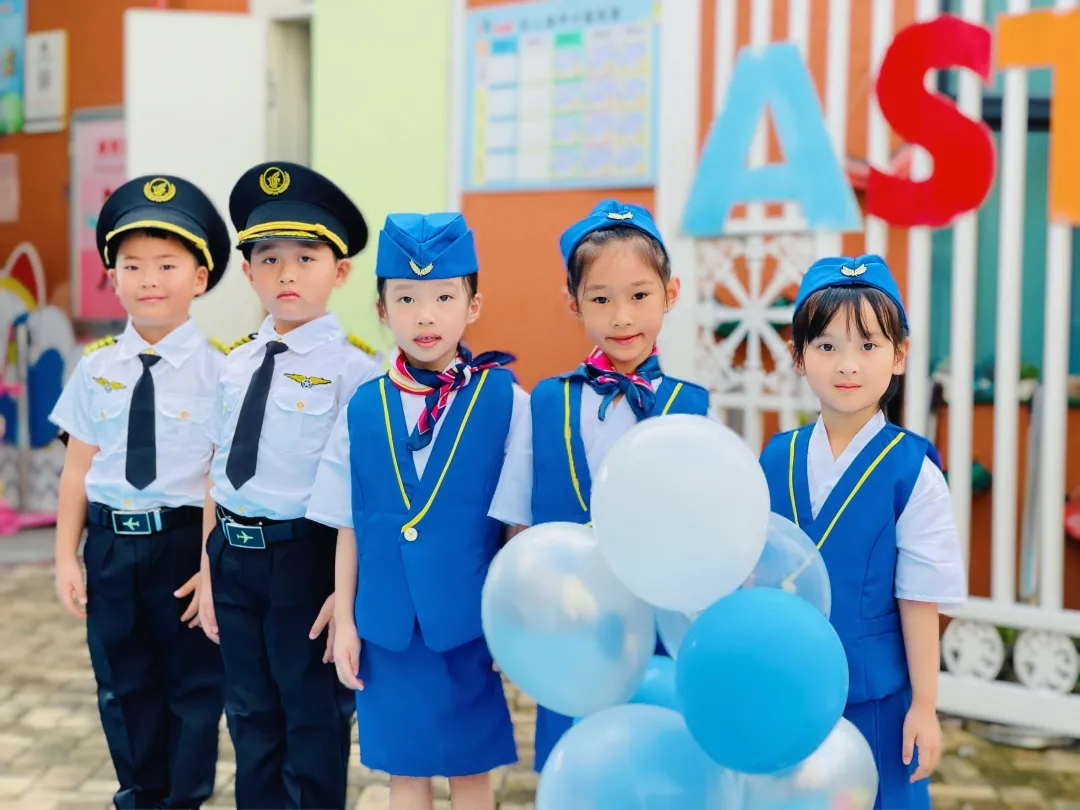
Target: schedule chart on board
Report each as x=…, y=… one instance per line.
x=560, y=95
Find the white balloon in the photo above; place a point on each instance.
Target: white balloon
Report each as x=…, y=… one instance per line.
x=680, y=506
x=840, y=773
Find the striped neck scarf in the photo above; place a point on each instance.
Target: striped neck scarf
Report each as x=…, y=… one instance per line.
x=599, y=374
x=436, y=386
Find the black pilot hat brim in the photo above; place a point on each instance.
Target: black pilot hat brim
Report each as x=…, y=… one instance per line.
x=171, y=204
x=282, y=200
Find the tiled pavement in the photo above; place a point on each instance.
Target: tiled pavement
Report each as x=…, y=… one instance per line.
x=53, y=756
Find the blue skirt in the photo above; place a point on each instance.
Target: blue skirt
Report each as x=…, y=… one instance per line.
x=425, y=713
x=882, y=723
x=550, y=726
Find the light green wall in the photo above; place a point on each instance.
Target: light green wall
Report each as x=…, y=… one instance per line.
x=380, y=122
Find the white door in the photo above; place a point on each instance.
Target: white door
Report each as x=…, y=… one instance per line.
x=195, y=102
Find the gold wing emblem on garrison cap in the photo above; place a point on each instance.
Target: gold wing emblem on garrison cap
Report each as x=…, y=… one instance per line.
x=851, y=272
x=308, y=382
x=107, y=384
x=624, y=215
x=421, y=271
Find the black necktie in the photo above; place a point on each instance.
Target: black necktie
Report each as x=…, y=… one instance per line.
x=141, y=468
x=244, y=453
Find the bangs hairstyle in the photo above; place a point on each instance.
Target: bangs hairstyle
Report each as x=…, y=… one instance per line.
x=815, y=315
x=471, y=283
x=650, y=251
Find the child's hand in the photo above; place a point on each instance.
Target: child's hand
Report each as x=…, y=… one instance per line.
x=70, y=588
x=347, y=657
x=323, y=620
x=207, y=615
x=193, y=587
x=922, y=730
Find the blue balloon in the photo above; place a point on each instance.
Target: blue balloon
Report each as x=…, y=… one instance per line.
x=632, y=756
x=763, y=679
x=658, y=687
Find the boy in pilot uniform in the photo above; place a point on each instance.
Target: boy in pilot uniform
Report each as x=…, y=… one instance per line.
x=138, y=410
x=270, y=571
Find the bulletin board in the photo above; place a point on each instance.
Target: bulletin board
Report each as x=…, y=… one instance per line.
x=98, y=167
x=561, y=94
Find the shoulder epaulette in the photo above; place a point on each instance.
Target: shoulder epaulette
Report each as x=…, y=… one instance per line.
x=110, y=340
x=241, y=342
x=362, y=345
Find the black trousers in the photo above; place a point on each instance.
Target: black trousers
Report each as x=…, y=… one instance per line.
x=160, y=683
x=289, y=718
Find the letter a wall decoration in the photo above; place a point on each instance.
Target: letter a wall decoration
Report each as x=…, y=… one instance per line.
x=810, y=174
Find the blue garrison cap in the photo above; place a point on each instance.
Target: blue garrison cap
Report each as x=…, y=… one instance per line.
x=844, y=271
x=426, y=246
x=608, y=214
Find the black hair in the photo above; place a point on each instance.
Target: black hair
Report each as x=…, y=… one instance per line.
x=814, y=316
x=155, y=233
x=247, y=248
x=471, y=283
x=650, y=250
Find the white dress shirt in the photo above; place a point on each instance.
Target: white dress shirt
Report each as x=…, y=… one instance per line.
x=94, y=409
x=313, y=381
x=929, y=563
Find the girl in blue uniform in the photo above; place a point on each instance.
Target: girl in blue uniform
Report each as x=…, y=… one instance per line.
x=619, y=279
x=408, y=478
x=873, y=498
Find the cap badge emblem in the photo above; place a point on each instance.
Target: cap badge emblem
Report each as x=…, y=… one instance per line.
x=274, y=181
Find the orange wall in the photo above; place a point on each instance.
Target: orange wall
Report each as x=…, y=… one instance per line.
x=95, y=79
x=523, y=279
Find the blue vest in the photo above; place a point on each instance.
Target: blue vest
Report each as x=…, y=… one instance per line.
x=856, y=532
x=561, y=480
x=424, y=545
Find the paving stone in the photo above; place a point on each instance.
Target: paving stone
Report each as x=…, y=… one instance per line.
x=12, y=787
x=941, y=790
x=376, y=797
x=32, y=804
x=1023, y=797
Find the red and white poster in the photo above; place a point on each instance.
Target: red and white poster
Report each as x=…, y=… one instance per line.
x=97, y=168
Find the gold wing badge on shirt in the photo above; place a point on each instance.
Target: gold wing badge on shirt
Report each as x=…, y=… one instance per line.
x=308, y=382
x=108, y=385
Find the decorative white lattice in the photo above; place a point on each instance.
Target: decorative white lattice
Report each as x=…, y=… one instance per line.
x=973, y=648
x=754, y=270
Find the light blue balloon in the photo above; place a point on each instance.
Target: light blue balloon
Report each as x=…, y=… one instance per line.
x=633, y=756
x=561, y=626
x=658, y=686
x=763, y=679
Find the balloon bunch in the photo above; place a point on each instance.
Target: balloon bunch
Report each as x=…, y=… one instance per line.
x=747, y=712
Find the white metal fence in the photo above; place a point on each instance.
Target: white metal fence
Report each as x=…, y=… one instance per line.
x=762, y=254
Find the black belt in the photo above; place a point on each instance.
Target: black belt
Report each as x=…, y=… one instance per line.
x=146, y=521
x=255, y=532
